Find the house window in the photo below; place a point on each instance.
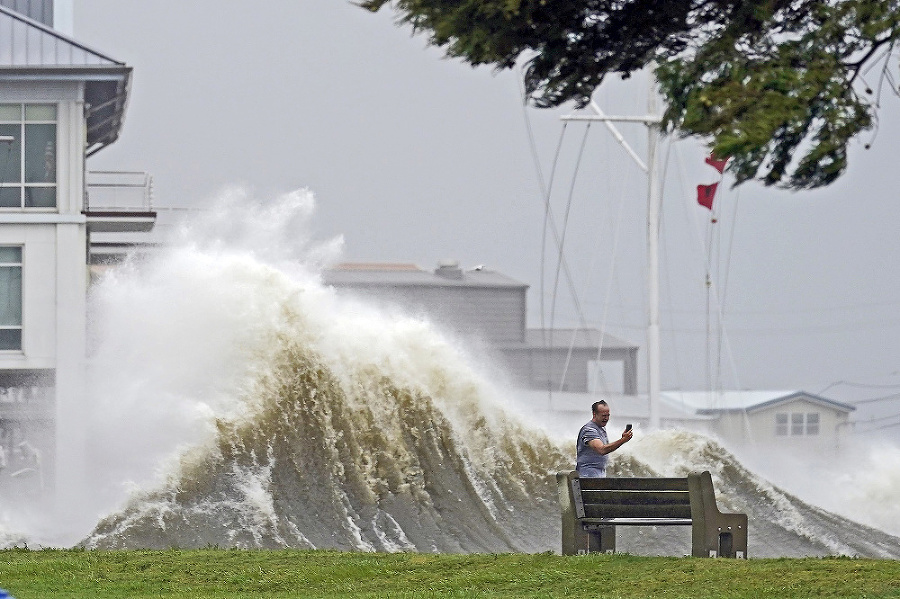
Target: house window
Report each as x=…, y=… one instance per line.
x=781, y=425
x=797, y=424
x=10, y=298
x=812, y=423
x=27, y=156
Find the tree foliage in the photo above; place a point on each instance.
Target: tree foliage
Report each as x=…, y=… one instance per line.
x=781, y=86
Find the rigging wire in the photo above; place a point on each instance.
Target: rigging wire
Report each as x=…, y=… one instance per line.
x=549, y=223
x=712, y=293
x=676, y=354
x=598, y=371
x=549, y=220
x=712, y=246
x=877, y=428
x=875, y=421
x=861, y=385
x=565, y=227
x=545, y=189
x=892, y=397
x=562, y=263
x=609, y=285
x=714, y=289
x=724, y=286
x=562, y=244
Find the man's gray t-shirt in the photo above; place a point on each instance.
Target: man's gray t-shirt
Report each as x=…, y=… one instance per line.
x=585, y=456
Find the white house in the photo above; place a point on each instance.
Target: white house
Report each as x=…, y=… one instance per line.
x=798, y=420
x=60, y=102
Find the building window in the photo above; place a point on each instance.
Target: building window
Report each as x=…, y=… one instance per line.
x=797, y=424
x=10, y=298
x=781, y=425
x=27, y=156
x=812, y=423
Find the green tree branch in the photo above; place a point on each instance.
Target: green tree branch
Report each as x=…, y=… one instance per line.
x=769, y=82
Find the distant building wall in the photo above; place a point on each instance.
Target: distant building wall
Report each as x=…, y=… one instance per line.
x=493, y=314
x=554, y=369
x=491, y=309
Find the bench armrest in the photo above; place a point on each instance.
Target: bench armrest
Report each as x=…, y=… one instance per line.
x=714, y=531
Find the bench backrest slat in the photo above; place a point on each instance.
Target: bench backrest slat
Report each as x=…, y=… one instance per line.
x=637, y=497
x=634, y=484
x=631, y=498
x=618, y=510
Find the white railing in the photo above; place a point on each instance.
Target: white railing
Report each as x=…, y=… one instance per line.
x=118, y=191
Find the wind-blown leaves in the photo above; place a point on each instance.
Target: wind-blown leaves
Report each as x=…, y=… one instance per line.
x=776, y=84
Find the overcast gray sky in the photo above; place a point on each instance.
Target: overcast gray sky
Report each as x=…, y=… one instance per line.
x=417, y=158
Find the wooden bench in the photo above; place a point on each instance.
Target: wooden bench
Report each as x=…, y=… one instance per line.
x=593, y=507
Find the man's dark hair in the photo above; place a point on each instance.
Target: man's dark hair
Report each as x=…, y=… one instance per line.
x=596, y=405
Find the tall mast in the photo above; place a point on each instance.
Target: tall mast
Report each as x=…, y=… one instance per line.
x=654, y=204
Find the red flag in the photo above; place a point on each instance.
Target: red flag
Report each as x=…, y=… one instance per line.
x=716, y=163
x=705, y=195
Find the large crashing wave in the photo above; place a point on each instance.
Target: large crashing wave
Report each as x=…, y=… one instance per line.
x=307, y=420
x=335, y=425
x=351, y=462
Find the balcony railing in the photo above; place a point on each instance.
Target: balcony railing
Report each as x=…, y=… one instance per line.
x=119, y=202
x=118, y=191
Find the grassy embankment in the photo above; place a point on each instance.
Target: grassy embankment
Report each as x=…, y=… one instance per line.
x=223, y=573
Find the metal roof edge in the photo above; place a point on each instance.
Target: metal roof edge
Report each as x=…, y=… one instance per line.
x=805, y=395
x=780, y=400
x=51, y=31
x=115, y=71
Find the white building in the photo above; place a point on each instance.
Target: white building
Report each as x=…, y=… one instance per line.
x=801, y=421
x=60, y=102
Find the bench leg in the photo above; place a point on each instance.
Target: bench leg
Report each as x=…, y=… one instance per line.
x=726, y=544
x=599, y=538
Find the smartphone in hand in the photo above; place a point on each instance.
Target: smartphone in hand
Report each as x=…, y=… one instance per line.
x=627, y=427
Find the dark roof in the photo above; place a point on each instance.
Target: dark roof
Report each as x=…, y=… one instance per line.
x=410, y=275
x=31, y=51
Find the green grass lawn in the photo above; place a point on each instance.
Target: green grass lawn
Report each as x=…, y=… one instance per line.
x=292, y=573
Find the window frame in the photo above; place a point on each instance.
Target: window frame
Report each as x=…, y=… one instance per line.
x=798, y=424
x=22, y=184
x=782, y=420
x=20, y=265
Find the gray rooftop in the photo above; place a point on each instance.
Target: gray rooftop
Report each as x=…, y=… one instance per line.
x=409, y=275
x=712, y=402
x=39, y=10
x=27, y=43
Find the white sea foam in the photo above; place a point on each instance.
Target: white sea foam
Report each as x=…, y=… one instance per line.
x=860, y=484
x=392, y=537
